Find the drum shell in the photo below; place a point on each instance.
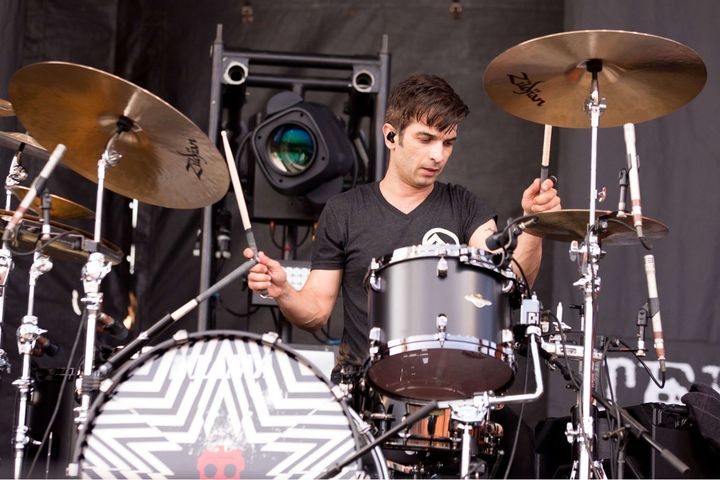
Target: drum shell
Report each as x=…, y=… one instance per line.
x=440, y=310
x=412, y=295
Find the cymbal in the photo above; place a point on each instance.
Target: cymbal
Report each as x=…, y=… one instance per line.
x=68, y=247
x=571, y=224
x=166, y=159
x=643, y=77
x=6, y=109
x=13, y=141
x=60, y=207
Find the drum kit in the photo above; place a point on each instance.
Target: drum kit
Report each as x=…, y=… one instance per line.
x=225, y=404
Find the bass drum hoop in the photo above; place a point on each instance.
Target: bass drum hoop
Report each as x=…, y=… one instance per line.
x=123, y=373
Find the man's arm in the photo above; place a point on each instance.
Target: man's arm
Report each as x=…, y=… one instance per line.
x=308, y=308
x=528, y=252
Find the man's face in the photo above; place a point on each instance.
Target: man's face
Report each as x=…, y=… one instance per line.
x=421, y=153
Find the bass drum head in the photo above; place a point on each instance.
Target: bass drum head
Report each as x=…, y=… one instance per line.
x=218, y=405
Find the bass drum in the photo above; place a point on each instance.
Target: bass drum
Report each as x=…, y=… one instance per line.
x=221, y=404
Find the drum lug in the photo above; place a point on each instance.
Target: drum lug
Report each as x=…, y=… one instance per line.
x=442, y=267
x=377, y=338
x=375, y=282
x=508, y=286
x=441, y=325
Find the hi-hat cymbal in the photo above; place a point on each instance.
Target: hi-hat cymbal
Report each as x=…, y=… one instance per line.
x=571, y=224
x=545, y=80
x=60, y=207
x=69, y=244
x=6, y=109
x=166, y=159
x=13, y=141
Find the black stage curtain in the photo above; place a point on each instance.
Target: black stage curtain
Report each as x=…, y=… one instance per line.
x=680, y=161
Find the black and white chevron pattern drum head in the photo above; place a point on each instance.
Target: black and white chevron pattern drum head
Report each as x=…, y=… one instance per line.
x=218, y=407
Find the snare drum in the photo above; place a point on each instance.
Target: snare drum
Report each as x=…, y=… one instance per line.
x=441, y=309
x=221, y=405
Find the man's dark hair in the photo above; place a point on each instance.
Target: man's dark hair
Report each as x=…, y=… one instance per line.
x=426, y=98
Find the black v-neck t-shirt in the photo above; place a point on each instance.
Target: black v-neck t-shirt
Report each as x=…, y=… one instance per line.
x=359, y=225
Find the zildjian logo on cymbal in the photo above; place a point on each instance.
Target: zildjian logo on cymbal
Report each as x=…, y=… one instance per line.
x=527, y=87
x=193, y=157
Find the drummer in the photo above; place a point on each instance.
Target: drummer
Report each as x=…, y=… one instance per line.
x=409, y=206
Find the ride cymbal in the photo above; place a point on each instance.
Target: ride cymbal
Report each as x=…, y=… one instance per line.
x=166, y=159
x=59, y=207
x=6, y=109
x=571, y=224
x=68, y=245
x=14, y=140
x=545, y=80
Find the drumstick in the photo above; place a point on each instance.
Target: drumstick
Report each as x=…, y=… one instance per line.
x=545, y=162
x=239, y=194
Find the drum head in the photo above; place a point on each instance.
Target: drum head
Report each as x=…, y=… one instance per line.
x=217, y=405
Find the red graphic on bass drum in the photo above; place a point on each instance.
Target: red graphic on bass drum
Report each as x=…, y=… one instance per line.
x=220, y=464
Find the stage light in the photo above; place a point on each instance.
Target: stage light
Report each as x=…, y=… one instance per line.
x=302, y=148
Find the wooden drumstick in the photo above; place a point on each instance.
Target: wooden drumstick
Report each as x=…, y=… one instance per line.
x=545, y=162
x=247, y=225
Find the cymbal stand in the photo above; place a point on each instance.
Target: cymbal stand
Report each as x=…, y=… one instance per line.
x=589, y=254
x=27, y=335
x=94, y=271
x=16, y=174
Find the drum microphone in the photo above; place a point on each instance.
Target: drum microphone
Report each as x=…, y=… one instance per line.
x=505, y=237
x=37, y=186
x=633, y=171
x=623, y=183
x=654, y=311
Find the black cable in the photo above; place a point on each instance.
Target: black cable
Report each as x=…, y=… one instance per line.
x=643, y=240
x=647, y=369
x=58, y=402
x=522, y=273
x=235, y=313
x=564, y=347
x=608, y=418
x=520, y=420
x=40, y=246
x=272, y=229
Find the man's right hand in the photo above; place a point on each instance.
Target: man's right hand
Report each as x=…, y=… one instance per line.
x=268, y=275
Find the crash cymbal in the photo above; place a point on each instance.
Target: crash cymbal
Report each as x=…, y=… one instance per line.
x=643, y=77
x=166, y=159
x=60, y=207
x=571, y=224
x=68, y=246
x=13, y=141
x=6, y=109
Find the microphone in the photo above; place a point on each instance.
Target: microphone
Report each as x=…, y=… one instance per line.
x=37, y=185
x=633, y=171
x=623, y=183
x=513, y=229
x=642, y=325
x=654, y=311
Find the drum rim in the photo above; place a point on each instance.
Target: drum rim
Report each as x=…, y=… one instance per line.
x=449, y=251
x=120, y=375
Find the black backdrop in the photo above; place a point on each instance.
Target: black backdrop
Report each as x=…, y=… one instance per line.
x=163, y=46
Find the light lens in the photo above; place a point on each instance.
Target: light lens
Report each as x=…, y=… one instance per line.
x=291, y=149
